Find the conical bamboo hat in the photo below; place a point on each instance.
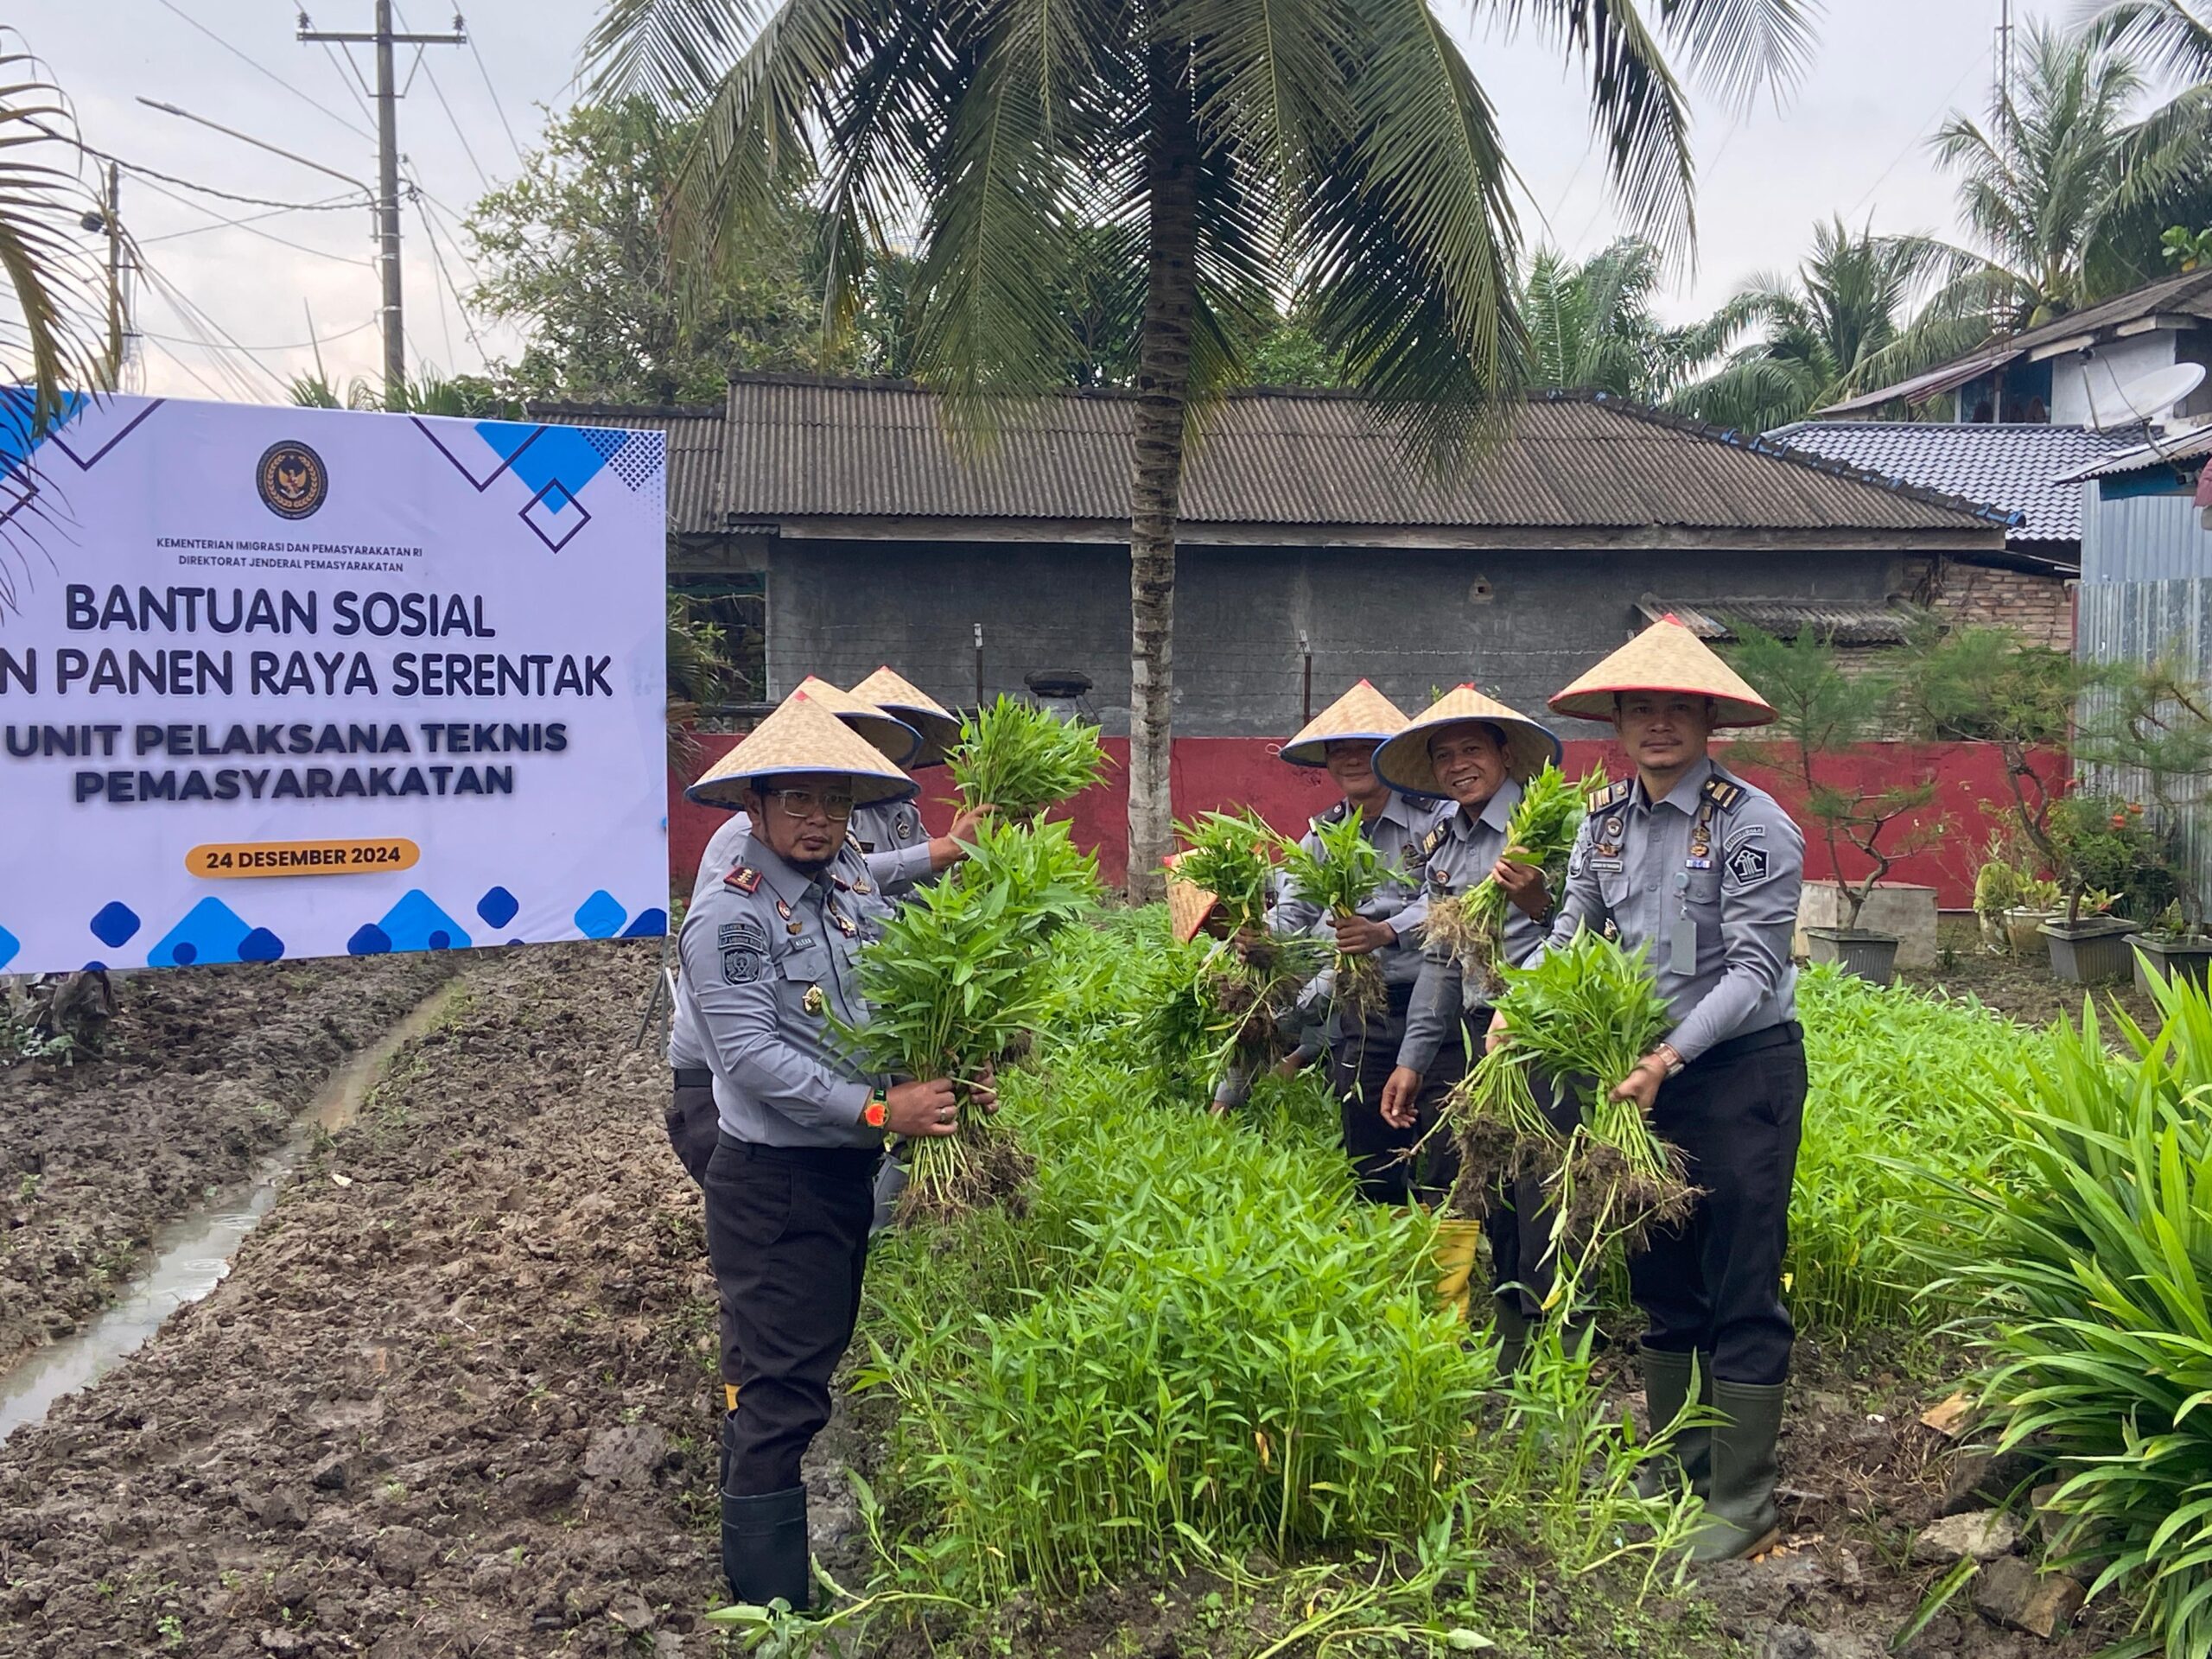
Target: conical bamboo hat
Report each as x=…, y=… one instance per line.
x=897, y=740
x=938, y=725
x=1403, y=762
x=1362, y=712
x=1665, y=657
x=1188, y=904
x=801, y=736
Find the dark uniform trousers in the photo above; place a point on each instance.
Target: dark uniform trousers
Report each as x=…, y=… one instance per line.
x=1360, y=1063
x=1712, y=1284
x=691, y=1120
x=787, y=1232
x=1518, y=1224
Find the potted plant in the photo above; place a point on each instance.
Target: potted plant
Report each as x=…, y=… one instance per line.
x=2009, y=901
x=2039, y=900
x=1823, y=715
x=2105, y=853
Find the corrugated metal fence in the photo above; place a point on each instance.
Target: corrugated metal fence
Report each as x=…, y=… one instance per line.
x=2141, y=538
x=2144, y=622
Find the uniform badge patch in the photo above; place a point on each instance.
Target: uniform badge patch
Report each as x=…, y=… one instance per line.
x=814, y=1002
x=743, y=879
x=910, y=825
x=744, y=946
x=1747, y=863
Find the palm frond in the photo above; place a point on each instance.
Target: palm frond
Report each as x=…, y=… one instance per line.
x=1741, y=48
x=55, y=339
x=2165, y=33
x=674, y=52
x=1638, y=107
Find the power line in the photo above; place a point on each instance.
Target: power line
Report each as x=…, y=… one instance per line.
x=189, y=370
x=196, y=318
x=349, y=76
x=233, y=224
x=288, y=346
x=496, y=104
x=453, y=232
x=466, y=147
x=269, y=73
x=192, y=184
x=266, y=236
x=445, y=326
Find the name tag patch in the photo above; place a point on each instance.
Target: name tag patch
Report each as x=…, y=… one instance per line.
x=744, y=947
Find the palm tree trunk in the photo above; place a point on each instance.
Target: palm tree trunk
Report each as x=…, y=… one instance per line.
x=1156, y=463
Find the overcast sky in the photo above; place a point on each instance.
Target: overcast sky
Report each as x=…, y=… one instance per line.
x=1849, y=141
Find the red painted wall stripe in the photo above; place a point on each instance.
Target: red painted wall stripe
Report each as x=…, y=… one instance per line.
x=1226, y=773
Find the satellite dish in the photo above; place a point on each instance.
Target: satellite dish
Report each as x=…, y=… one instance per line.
x=2149, y=397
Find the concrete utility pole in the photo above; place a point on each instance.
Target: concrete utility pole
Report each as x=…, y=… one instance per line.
x=395, y=340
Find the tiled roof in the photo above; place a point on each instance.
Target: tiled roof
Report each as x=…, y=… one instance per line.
x=1785, y=619
x=796, y=449
x=2164, y=449
x=2013, y=466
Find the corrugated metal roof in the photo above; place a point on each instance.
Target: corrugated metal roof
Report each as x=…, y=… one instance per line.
x=1846, y=624
x=695, y=450
x=2162, y=451
x=2186, y=296
x=2014, y=467
x=801, y=448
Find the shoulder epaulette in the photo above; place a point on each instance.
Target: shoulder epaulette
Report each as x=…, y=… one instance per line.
x=1722, y=793
x=1431, y=841
x=1336, y=814
x=1612, y=795
x=743, y=879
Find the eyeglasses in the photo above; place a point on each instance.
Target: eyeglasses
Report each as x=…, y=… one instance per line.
x=803, y=803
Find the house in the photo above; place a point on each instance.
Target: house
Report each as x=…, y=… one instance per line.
x=2016, y=466
x=2075, y=371
x=1312, y=550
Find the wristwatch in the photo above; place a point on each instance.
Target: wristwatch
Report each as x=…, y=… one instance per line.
x=877, y=1110
x=1666, y=1056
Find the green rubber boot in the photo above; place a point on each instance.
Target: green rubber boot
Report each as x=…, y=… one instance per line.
x=1667, y=1378
x=1740, y=1516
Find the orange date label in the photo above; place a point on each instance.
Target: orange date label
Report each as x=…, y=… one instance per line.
x=219, y=860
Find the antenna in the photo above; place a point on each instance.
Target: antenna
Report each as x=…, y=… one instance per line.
x=2001, y=64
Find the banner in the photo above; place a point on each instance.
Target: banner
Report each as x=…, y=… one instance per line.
x=280, y=683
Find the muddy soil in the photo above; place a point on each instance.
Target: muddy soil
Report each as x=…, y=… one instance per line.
x=201, y=1071
x=458, y=1404
x=463, y=1403
x=2019, y=988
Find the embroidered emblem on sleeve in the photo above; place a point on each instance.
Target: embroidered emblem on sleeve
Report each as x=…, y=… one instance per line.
x=744, y=947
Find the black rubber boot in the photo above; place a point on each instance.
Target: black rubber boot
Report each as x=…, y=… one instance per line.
x=1666, y=1390
x=1512, y=1333
x=764, y=1548
x=1740, y=1516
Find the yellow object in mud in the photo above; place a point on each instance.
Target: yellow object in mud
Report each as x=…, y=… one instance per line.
x=1456, y=1243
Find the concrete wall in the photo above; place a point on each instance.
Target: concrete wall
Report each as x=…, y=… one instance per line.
x=1520, y=624
x=2076, y=386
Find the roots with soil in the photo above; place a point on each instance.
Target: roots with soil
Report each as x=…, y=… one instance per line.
x=1466, y=928
x=981, y=1166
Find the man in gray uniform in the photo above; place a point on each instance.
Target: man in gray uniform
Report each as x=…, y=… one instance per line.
x=769, y=959
x=1477, y=753
x=901, y=853
x=691, y=1115
x=1703, y=871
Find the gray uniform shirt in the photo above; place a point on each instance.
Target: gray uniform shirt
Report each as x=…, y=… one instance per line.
x=687, y=1045
x=768, y=957
x=1461, y=851
x=895, y=844
x=1708, y=879
x=1398, y=834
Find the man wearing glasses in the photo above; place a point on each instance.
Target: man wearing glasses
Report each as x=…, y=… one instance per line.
x=769, y=959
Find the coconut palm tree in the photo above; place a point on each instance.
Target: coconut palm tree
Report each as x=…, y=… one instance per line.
x=1590, y=327
x=2175, y=36
x=2065, y=190
x=1343, y=150
x=53, y=339
x=1842, y=321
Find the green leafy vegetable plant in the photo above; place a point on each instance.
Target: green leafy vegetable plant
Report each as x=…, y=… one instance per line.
x=1581, y=1018
x=1251, y=980
x=1023, y=760
x=1341, y=873
x=1541, y=831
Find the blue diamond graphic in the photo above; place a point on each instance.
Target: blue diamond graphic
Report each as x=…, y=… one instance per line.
x=650, y=925
x=211, y=932
x=115, y=923
x=415, y=923
x=497, y=907
x=368, y=940
x=8, y=945
x=600, y=915
x=260, y=945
